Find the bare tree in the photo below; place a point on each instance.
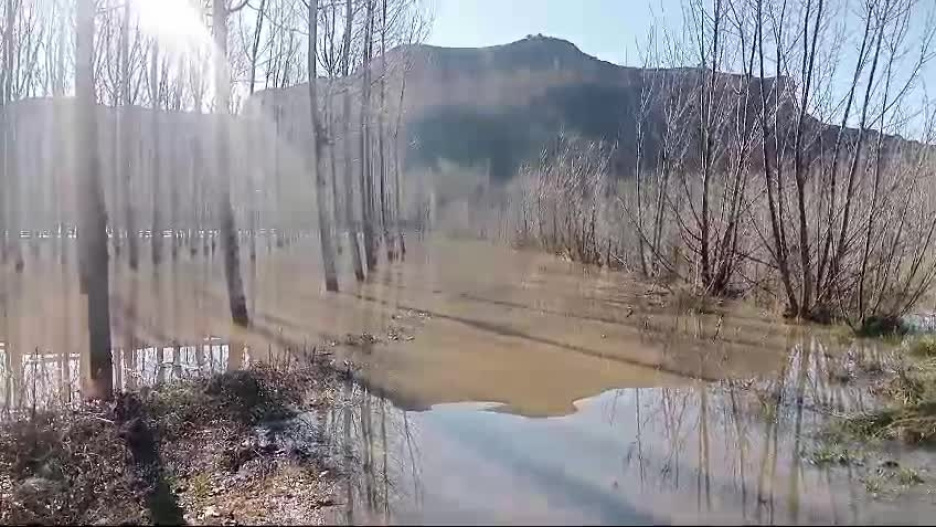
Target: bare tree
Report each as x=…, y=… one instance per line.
x=235, y=284
x=366, y=179
x=156, y=168
x=254, y=56
x=7, y=129
x=124, y=127
x=318, y=143
x=346, y=136
x=825, y=264
x=388, y=242
x=329, y=57
x=199, y=202
x=93, y=216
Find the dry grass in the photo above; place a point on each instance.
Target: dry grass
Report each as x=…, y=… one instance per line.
x=69, y=468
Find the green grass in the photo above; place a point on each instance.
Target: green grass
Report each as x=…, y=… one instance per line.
x=883, y=481
x=924, y=347
x=909, y=477
x=834, y=454
x=875, y=327
x=874, y=484
x=912, y=423
x=909, y=394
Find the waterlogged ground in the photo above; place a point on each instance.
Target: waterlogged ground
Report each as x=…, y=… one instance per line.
x=638, y=455
x=502, y=386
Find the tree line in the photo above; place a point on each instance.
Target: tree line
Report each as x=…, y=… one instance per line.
x=769, y=159
x=142, y=114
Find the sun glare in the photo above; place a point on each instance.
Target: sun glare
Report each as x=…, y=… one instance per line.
x=175, y=23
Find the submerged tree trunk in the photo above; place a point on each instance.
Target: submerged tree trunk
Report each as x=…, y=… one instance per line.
x=318, y=142
x=9, y=146
x=278, y=222
x=385, y=230
x=370, y=251
x=133, y=252
x=60, y=174
x=175, y=149
x=8, y=241
x=255, y=48
x=353, y=245
x=232, y=273
x=335, y=211
x=156, y=167
x=3, y=187
x=199, y=168
x=3, y=192
x=398, y=189
x=92, y=231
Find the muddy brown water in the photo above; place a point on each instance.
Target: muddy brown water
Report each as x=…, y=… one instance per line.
x=499, y=386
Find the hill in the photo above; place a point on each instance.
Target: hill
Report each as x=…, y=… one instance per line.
x=499, y=106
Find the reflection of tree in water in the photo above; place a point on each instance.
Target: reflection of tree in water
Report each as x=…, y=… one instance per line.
x=376, y=445
x=160, y=320
x=152, y=346
x=731, y=432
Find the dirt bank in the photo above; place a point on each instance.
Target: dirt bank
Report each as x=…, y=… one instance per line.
x=226, y=449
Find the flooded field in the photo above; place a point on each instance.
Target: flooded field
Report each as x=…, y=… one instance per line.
x=637, y=455
x=496, y=385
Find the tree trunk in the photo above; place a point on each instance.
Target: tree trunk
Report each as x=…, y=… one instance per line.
x=707, y=144
x=277, y=175
x=195, y=168
x=385, y=231
x=92, y=217
x=133, y=251
x=176, y=168
x=232, y=273
x=398, y=189
x=58, y=92
x=353, y=245
x=370, y=251
x=641, y=250
x=335, y=217
x=809, y=56
x=156, y=238
x=318, y=142
x=255, y=211
x=10, y=169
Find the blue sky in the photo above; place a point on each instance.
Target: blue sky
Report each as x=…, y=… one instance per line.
x=608, y=29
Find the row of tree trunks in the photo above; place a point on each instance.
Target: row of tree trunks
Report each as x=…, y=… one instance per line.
x=92, y=207
x=381, y=211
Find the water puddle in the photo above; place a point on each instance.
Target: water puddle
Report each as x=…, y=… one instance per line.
x=729, y=452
